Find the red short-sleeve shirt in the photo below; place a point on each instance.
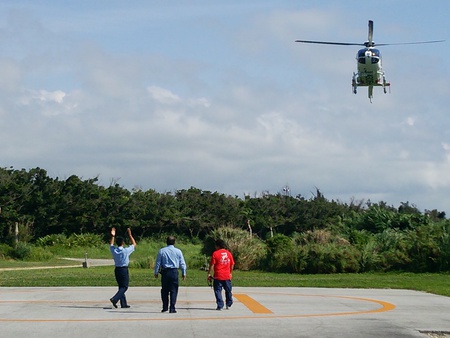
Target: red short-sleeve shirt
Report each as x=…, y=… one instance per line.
x=223, y=261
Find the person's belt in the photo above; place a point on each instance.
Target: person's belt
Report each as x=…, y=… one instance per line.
x=166, y=269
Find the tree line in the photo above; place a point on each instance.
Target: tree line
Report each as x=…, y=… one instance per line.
x=38, y=205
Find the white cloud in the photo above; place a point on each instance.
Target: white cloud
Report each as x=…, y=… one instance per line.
x=162, y=95
x=11, y=75
x=204, y=102
x=410, y=121
x=55, y=96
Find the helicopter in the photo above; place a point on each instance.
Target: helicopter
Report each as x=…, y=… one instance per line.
x=369, y=71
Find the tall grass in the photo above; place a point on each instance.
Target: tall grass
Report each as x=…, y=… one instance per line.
x=248, y=251
x=422, y=249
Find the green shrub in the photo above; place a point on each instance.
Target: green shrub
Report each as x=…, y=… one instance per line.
x=197, y=261
x=369, y=258
x=392, y=245
x=5, y=251
x=444, y=247
x=39, y=254
x=143, y=263
x=22, y=251
x=51, y=240
x=248, y=252
x=281, y=254
x=326, y=252
x=302, y=256
x=85, y=240
x=331, y=258
x=359, y=238
x=429, y=248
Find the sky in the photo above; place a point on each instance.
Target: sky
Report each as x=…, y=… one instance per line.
x=216, y=95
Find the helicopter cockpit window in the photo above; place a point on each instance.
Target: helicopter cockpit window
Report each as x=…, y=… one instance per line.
x=373, y=53
x=361, y=56
x=375, y=56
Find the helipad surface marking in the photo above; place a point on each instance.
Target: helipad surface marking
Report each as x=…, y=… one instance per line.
x=252, y=304
x=258, y=309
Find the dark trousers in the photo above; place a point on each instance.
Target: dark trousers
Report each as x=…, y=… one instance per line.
x=226, y=286
x=169, y=290
x=123, y=279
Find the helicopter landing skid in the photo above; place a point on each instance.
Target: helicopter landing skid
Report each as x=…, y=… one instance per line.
x=355, y=85
x=386, y=84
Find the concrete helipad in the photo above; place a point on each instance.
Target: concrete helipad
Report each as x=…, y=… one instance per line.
x=257, y=312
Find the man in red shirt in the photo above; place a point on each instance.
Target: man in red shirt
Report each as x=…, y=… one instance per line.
x=221, y=265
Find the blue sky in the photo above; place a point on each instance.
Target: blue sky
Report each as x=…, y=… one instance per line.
x=168, y=95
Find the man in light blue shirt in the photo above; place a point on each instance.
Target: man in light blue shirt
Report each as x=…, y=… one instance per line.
x=121, y=258
x=168, y=261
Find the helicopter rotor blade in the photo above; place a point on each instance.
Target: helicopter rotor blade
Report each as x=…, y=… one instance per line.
x=370, y=36
x=331, y=43
x=368, y=44
x=409, y=43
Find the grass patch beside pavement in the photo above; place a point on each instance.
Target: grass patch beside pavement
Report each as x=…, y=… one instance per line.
x=104, y=276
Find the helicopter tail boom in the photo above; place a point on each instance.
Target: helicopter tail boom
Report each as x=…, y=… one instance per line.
x=370, y=93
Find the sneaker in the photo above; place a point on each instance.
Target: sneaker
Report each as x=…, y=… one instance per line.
x=218, y=308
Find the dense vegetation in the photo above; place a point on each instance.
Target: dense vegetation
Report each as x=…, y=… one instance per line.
x=272, y=232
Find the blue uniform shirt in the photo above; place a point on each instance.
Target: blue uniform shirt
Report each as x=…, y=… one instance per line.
x=170, y=258
x=121, y=255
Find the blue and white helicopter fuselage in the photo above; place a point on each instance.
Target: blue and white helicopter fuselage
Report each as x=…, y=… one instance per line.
x=370, y=72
